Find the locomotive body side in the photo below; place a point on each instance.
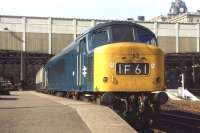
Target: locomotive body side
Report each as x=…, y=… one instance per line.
x=67, y=70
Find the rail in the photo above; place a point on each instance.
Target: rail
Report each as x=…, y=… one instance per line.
x=186, y=121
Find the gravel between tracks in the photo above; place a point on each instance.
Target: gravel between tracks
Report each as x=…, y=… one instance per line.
x=182, y=105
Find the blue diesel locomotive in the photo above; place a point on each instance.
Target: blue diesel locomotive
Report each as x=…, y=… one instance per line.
x=117, y=62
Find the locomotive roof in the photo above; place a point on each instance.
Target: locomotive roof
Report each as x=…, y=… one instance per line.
x=101, y=25
x=110, y=23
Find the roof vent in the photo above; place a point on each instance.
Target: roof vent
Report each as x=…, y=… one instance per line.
x=130, y=19
x=141, y=18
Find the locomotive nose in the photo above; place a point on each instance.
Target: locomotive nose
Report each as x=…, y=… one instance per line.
x=127, y=67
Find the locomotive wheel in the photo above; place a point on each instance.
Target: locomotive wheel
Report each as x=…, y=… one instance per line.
x=69, y=95
x=76, y=96
x=108, y=99
x=45, y=91
x=98, y=100
x=59, y=94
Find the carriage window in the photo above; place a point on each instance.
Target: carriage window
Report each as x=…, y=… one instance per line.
x=122, y=33
x=98, y=38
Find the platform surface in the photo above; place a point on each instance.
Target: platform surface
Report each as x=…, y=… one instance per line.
x=32, y=112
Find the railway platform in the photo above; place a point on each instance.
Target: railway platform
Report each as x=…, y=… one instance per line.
x=32, y=112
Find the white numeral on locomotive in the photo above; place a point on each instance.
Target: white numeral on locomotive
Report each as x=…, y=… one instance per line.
x=145, y=69
x=138, y=70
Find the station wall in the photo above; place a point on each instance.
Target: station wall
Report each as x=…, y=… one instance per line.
x=167, y=43
x=10, y=42
x=59, y=41
x=188, y=44
x=50, y=35
x=37, y=42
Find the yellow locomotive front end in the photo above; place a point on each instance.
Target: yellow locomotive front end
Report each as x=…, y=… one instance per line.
x=128, y=67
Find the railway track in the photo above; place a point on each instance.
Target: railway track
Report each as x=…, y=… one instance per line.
x=183, y=122
x=195, y=92
x=178, y=120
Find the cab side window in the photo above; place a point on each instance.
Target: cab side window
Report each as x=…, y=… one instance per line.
x=98, y=38
x=83, y=46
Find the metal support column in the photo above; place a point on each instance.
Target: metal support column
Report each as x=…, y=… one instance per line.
x=198, y=37
x=177, y=38
x=22, y=49
x=74, y=28
x=50, y=35
x=24, y=34
x=93, y=23
x=156, y=29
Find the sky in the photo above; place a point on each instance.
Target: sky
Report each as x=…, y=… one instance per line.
x=91, y=9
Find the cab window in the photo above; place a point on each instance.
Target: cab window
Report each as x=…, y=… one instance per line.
x=145, y=36
x=98, y=38
x=123, y=33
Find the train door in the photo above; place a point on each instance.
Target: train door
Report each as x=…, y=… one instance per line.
x=82, y=65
